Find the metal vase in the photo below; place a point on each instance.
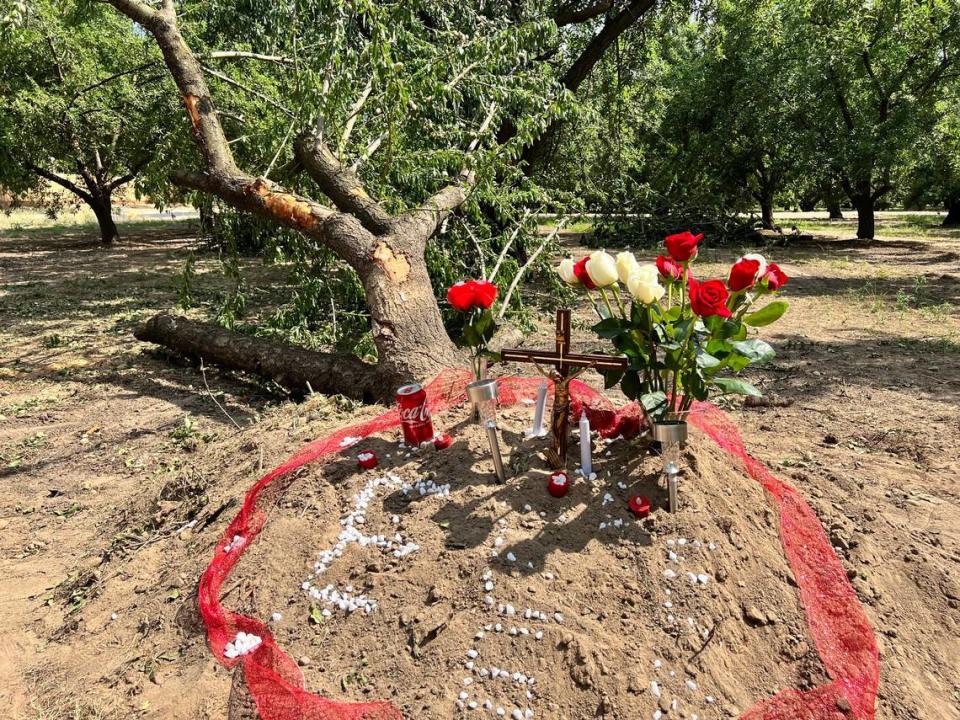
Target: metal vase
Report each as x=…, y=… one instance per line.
x=671, y=434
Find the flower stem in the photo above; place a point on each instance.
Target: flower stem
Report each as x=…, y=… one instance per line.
x=616, y=295
x=606, y=300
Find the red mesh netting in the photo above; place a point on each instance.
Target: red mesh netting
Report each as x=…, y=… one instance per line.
x=840, y=629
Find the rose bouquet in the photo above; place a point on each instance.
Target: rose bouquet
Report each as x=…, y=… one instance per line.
x=474, y=298
x=684, y=338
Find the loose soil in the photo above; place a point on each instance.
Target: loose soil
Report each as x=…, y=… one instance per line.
x=111, y=449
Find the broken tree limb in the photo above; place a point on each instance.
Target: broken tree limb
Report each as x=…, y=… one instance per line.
x=294, y=368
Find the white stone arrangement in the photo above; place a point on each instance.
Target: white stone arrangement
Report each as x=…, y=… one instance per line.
x=346, y=599
x=675, y=572
x=242, y=644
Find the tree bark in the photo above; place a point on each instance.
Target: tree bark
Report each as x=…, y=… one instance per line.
x=102, y=207
x=953, y=213
x=866, y=216
x=833, y=206
x=295, y=368
x=766, y=211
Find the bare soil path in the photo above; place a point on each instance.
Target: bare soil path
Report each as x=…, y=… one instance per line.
x=110, y=450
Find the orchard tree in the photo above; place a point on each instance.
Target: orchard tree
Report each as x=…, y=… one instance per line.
x=386, y=111
x=82, y=108
x=933, y=163
x=737, y=105
x=872, y=71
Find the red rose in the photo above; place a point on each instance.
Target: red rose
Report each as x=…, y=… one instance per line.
x=466, y=295
x=669, y=268
x=775, y=277
x=683, y=246
x=743, y=274
x=580, y=271
x=484, y=293
x=709, y=298
x=460, y=295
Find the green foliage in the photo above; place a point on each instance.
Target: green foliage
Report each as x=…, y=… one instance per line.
x=79, y=90
x=712, y=112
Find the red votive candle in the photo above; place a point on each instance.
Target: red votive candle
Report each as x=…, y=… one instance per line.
x=640, y=506
x=367, y=460
x=559, y=485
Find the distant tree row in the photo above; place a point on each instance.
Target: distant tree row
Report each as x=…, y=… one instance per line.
x=774, y=102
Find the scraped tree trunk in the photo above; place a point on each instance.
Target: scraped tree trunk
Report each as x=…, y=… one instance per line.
x=412, y=343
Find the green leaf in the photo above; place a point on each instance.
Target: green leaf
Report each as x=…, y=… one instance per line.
x=757, y=351
x=654, y=401
x=631, y=384
x=609, y=328
x=706, y=360
x=611, y=378
x=767, y=315
x=735, y=386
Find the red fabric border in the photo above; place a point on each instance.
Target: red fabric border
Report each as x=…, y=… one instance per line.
x=838, y=625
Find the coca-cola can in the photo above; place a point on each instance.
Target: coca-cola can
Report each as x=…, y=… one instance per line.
x=414, y=415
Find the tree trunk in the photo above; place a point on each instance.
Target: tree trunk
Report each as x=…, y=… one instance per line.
x=953, y=213
x=766, y=211
x=866, y=221
x=295, y=368
x=833, y=206
x=412, y=344
x=102, y=207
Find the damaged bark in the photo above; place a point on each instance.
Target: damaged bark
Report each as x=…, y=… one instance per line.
x=386, y=250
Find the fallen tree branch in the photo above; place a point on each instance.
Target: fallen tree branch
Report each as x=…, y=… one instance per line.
x=292, y=367
x=516, y=278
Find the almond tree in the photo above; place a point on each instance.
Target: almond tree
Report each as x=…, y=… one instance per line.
x=82, y=111
x=873, y=72
x=389, y=111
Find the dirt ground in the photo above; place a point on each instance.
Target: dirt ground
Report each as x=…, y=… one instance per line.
x=122, y=467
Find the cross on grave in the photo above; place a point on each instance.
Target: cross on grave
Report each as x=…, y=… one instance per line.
x=563, y=362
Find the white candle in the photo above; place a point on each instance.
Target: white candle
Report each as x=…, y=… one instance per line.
x=585, y=463
x=537, y=430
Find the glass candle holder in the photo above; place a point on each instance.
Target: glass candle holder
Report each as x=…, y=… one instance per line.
x=671, y=434
x=483, y=395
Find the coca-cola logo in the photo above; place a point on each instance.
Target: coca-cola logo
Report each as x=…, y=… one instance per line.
x=417, y=413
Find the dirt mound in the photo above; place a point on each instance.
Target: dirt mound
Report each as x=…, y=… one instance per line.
x=516, y=600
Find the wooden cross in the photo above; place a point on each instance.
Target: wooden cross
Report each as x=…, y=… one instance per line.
x=563, y=362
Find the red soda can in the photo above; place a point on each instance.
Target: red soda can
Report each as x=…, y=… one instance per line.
x=414, y=415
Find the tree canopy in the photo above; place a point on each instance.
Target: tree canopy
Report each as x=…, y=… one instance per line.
x=85, y=108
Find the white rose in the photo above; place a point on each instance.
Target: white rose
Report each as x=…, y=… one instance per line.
x=644, y=288
x=648, y=272
x=627, y=265
x=565, y=271
x=602, y=269
x=760, y=259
